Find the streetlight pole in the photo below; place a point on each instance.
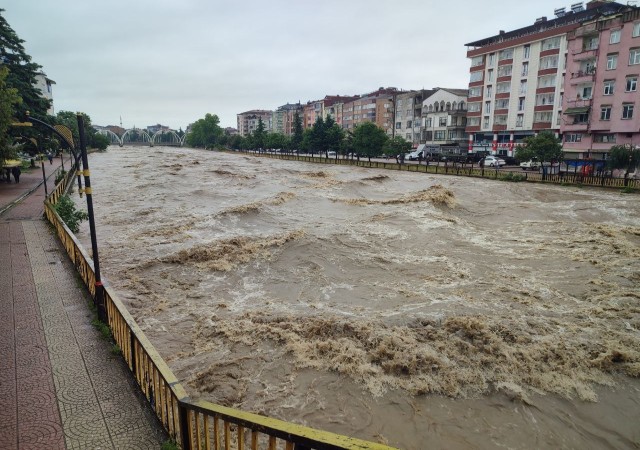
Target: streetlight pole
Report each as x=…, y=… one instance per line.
x=99, y=288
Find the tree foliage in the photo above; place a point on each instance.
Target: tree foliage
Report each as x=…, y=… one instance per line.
x=205, y=132
x=259, y=135
x=67, y=211
x=22, y=72
x=397, y=146
x=544, y=147
x=369, y=140
x=623, y=157
x=298, y=132
x=9, y=99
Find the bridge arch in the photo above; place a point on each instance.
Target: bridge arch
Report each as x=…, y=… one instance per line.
x=176, y=140
x=141, y=135
x=114, y=138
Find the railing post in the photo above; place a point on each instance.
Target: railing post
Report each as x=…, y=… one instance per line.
x=185, y=434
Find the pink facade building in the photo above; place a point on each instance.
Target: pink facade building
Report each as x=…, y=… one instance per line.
x=601, y=97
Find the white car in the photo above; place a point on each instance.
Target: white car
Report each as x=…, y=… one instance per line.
x=492, y=161
x=532, y=164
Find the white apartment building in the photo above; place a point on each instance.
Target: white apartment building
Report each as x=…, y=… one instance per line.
x=517, y=78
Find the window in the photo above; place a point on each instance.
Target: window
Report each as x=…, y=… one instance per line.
x=519, y=120
x=490, y=75
x=475, y=92
x=428, y=122
x=612, y=61
x=408, y=124
x=573, y=137
x=489, y=91
x=609, y=86
x=586, y=92
x=485, y=122
x=604, y=138
x=505, y=54
x=500, y=120
x=502, y=103
x=492, y=59
x=476, y=76
x=398, y=125
x=526, y=51
x=632, y=84
x=636, y=29
x=521, y=104
x=547, y=81
x=473, y=121
x=439, y=135
x=551, y=43
x=545, y=116
x=487, y=107
x=503, y=87
x=525, y=69
x=544, y=99
x=523, y=87
x=477, y=61
x=590, y=43
x=443, y=121
x=614, y=37
x=549, y=62
x=472, y=107
x=627, y=111
x=634, y=56
x=605, y=113
x=505, y=71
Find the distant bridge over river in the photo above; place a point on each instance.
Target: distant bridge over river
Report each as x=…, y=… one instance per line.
x=138, y=136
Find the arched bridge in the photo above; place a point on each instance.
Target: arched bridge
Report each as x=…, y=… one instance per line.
x=138, y=136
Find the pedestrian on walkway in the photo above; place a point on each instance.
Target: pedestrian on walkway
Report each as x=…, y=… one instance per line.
x=50, y=156
x=16, y=173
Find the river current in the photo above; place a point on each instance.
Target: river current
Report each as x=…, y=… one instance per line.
x=421, y=311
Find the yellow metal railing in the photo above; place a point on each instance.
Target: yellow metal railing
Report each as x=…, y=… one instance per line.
x=194, y=425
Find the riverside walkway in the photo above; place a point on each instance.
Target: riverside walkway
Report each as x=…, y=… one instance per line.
x=61, y=385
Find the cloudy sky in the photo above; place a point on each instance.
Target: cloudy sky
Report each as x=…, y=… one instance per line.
x=173, y=61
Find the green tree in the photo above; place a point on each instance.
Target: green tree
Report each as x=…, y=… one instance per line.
x=100, y=141
x=624, y=157
x=369, y=139
x=205, y=132
x=22, y=72
x=333, y=135
x=397, y=146
x=276, y=140
x=298, y=133
x=9, y=99
x=70, y=120
x=545, y=147
x=259, y=135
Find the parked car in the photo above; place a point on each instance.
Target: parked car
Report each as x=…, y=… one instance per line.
x=414, y=156
x=532, y=164
x=492, y=161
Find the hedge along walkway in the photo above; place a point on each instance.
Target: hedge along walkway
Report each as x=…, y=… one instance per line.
x=61, y=386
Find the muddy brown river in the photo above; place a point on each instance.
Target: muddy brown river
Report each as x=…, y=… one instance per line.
x=421, y=311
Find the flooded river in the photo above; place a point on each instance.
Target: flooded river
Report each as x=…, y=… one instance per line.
x=417, y=310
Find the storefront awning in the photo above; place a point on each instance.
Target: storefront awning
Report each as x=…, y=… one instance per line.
x=577, y=110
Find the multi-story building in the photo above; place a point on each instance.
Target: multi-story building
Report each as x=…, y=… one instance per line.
x=311, y=111
x=445, y=117
x=408, y=119
x=334, y=106
x=517, y=79
x=377, y=107
x=248, y=121
x=601, y=101
x=283, y=117
x=45, y=85
x=153, y=129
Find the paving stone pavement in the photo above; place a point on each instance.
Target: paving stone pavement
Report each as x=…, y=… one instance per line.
x=61, y=387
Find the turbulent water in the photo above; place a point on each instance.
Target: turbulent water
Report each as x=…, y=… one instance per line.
x=417, y=310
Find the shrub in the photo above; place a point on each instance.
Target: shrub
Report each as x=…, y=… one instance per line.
x=59, y=176
x=515, y=177
x=66, y=209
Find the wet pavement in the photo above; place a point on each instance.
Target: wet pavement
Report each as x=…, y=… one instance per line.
x=61, y=385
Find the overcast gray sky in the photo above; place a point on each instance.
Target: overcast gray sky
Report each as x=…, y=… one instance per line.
x=171, y=62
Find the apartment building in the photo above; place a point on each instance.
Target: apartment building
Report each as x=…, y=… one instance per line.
x=409, y=123
x=444, y=114
x=517, y=79
x=311, y=111
x=601, y=102
x=248, y=121
x=45, y=84
x=284, y=116
x=376, y=106
x=334, y=106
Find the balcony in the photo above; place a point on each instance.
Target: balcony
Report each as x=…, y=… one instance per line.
x=587, y=53
x=583, y=76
